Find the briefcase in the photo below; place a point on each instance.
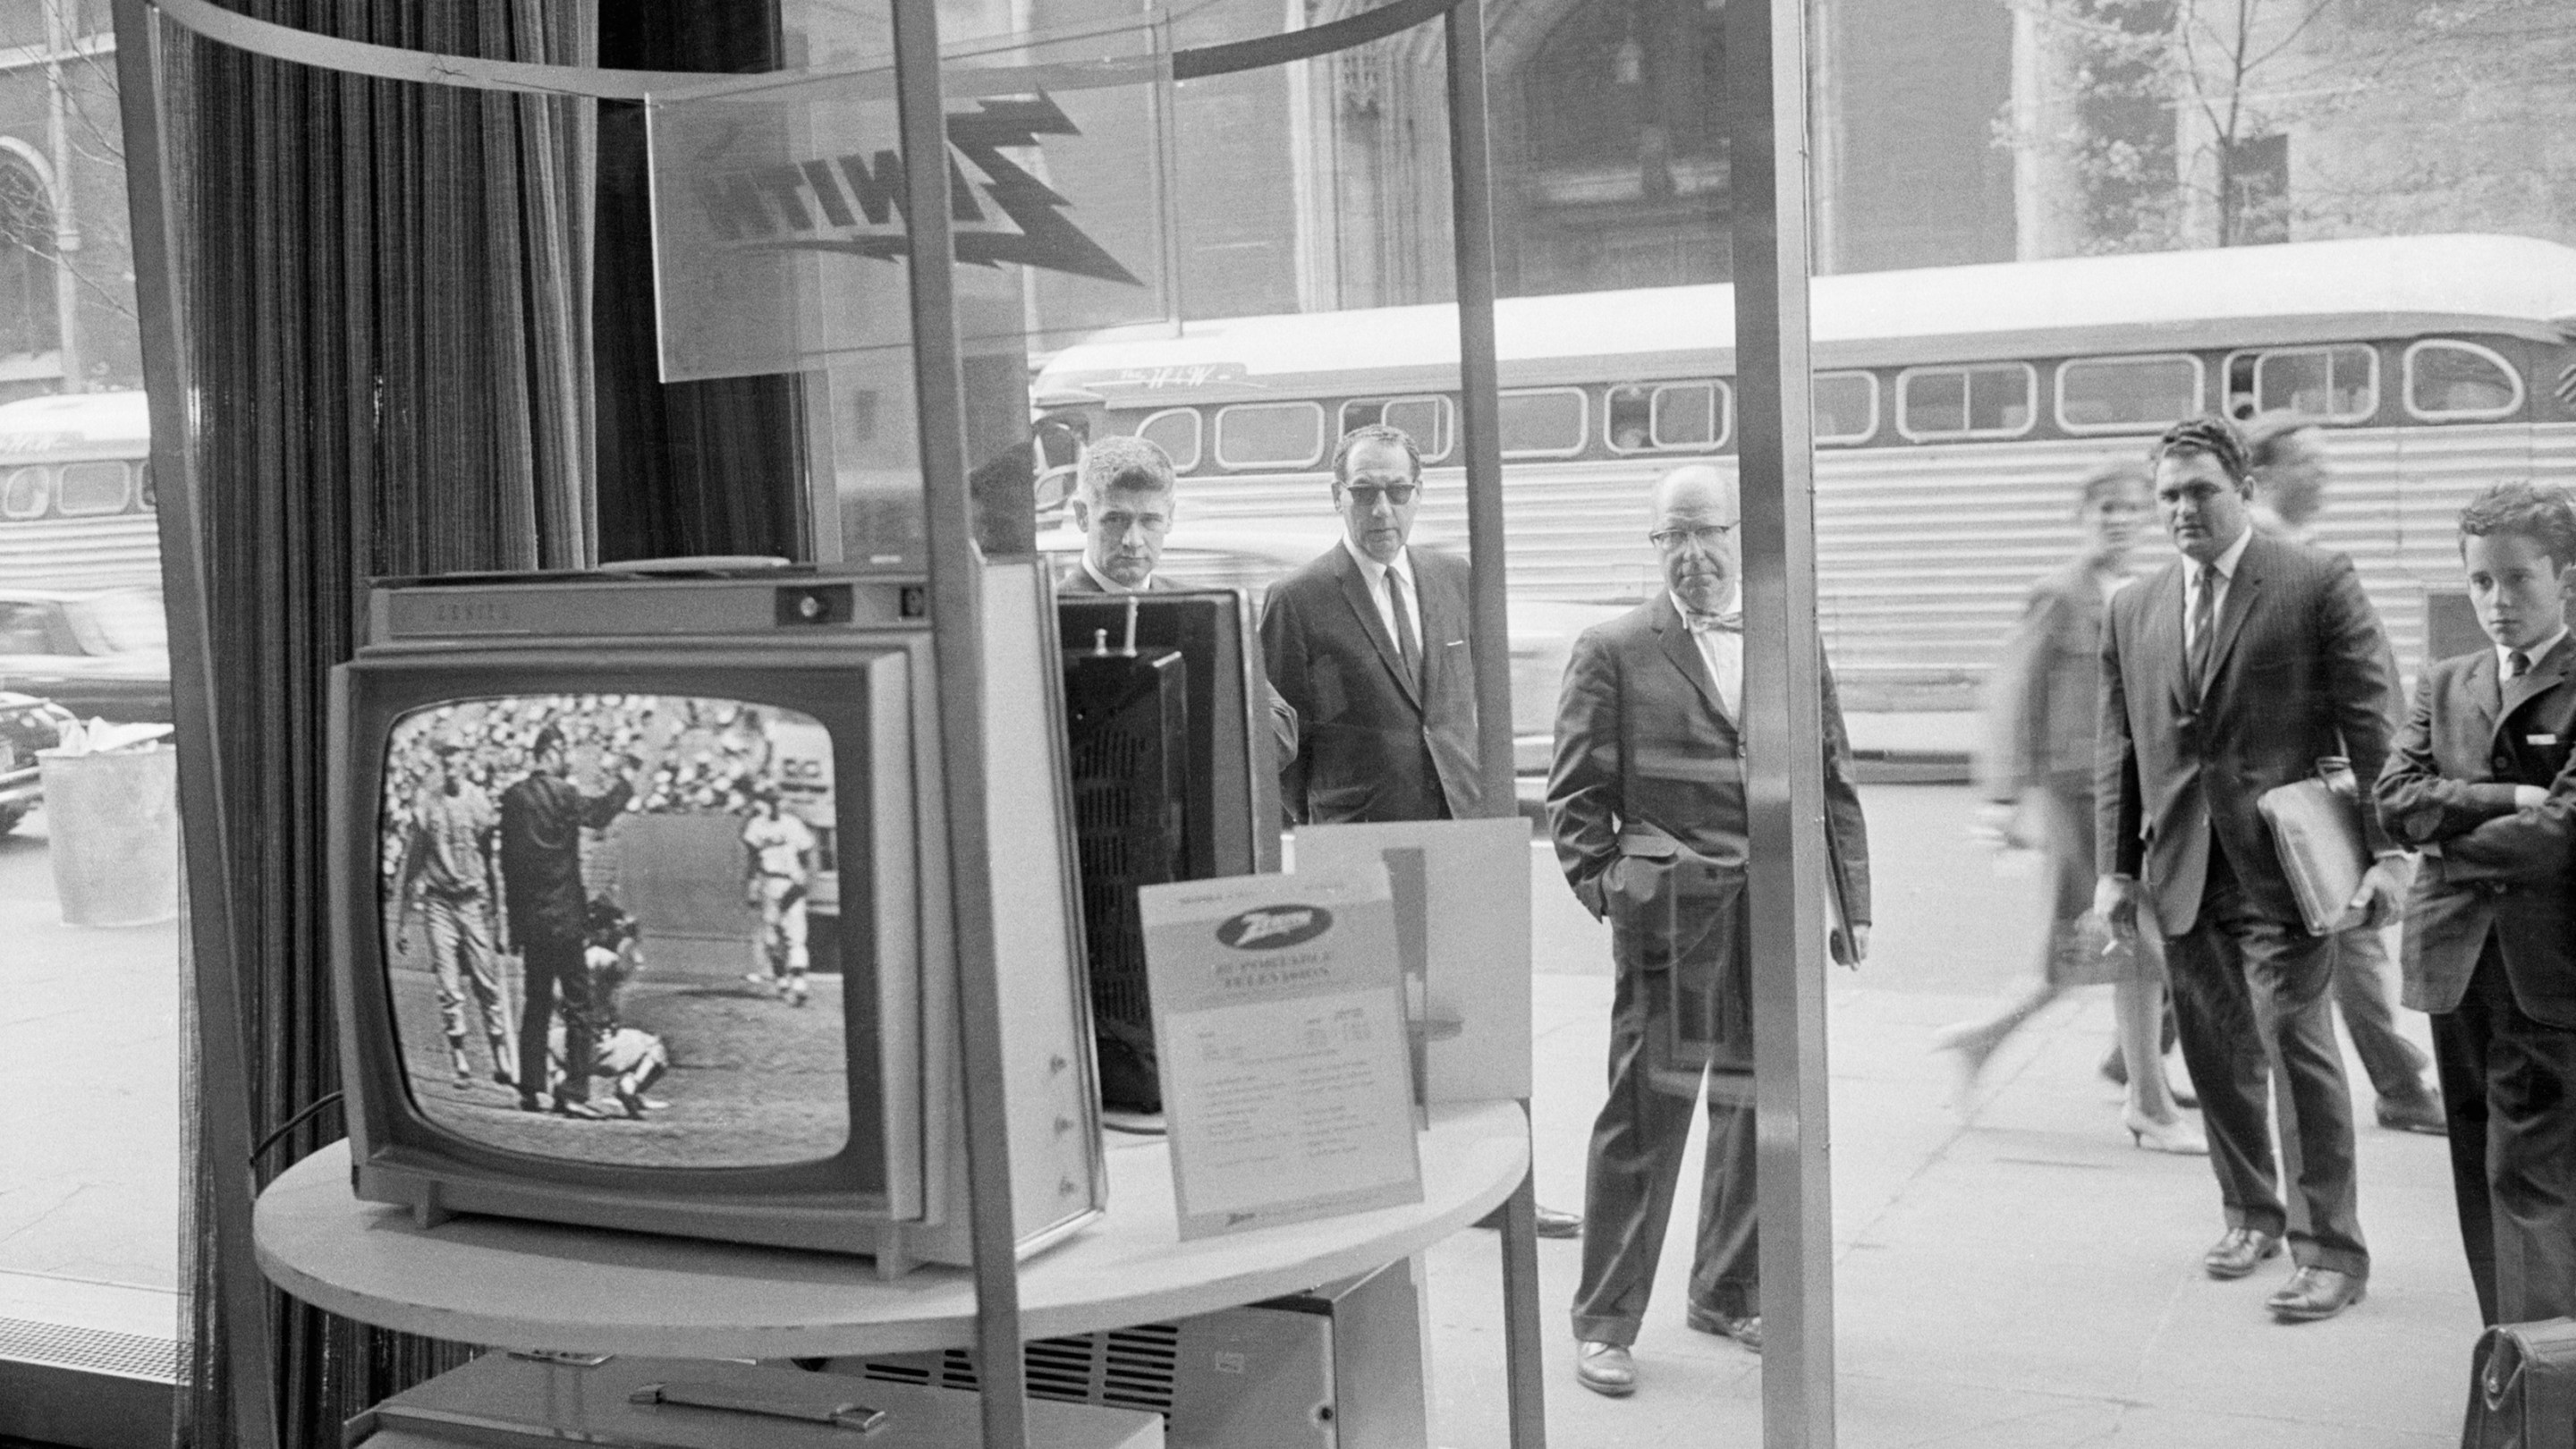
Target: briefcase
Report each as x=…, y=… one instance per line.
x=2316, y=827
x=2523, y=1393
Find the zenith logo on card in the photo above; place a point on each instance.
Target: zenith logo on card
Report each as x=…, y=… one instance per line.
x=1274, y=927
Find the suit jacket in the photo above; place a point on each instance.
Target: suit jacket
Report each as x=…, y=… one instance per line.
x=2487, y=866
x=1374, y=744
x=2044, y=697
x=1283, y=719
x=1645, y=795
x=2298, y=671
x=541, y=821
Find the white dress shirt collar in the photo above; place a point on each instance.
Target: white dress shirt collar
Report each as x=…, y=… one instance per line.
x=1374, y=573
x=2227, y=561
x=1109, y=585
x=2536, y=653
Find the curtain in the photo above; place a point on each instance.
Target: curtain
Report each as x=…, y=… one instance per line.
x=388, y=294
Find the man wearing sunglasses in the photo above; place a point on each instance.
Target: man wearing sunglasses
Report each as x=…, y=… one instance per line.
x=1369, y=645
x=1645, y=798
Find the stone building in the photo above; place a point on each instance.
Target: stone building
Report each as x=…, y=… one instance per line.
x=66, y=271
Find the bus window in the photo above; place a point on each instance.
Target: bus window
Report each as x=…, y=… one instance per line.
x=1545, y=422
x=1966, y=402
x=2127, y=394
x=29, y=492
x=2459, y=380
x=1669, y=417
x=143, y=477
x=1423, y=419
x=2331, y=384
x=1846, y=406
x=92, y=488
x=1175, y=431
x=1270, y=435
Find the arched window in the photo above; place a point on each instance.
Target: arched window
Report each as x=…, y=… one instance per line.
x=29, y=323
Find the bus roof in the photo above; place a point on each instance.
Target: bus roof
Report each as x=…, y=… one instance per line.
x=2277, y=295
x=76, y=424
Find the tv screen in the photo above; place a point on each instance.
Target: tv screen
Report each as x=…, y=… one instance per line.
x=598, y=915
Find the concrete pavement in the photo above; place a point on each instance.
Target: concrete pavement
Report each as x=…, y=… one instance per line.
x=2008, y=1276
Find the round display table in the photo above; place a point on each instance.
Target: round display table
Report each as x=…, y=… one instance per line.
x=517, y=1284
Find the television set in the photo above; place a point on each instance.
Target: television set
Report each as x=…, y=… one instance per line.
x=637, y=789
x=1175, y=777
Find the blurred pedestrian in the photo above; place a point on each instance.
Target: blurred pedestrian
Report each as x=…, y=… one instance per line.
x=2229, y=672
x=2043, y=704
x=1646, y=801
x=2290, y=476
x=2482, y=782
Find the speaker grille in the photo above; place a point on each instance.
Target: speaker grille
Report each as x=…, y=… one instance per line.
x=1132, y=1368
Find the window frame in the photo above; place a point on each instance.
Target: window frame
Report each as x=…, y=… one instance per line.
x=2199, y=392
x=45, y=495
x=2368, y=349
x=2406, y=383
x=1847, y=440
x=1583, y=414
x=124, y=497
x=1323, y=439
x=1198, y=436
x=2030, y=397
x=1448, y=418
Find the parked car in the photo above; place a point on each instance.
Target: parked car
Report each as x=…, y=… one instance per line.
x=1217, y=555
x=27, y=724
x=102, y=653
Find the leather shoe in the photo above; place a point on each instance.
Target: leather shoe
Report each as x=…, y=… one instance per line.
x=1746, y=1331
x=1605, y=1369
x=2419, y=1113
x=2314, y=1293
x=577, y=1108
x=1550, y=1222
x=2236, y=1254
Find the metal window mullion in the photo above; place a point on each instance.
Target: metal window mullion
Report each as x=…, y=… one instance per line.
x=1783, y=669
x=956, y=612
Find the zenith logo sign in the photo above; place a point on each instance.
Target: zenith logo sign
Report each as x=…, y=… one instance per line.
x=855, y=203
x=1275, y=928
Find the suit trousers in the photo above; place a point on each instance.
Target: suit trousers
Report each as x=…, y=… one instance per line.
x=2506, y=1083
x=552, y=964
x=1634, y=1162
x=460, y=947
x=2394, y=1064
x=2249, y=996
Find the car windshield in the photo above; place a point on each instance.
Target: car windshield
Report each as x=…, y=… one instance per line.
x=129, y=621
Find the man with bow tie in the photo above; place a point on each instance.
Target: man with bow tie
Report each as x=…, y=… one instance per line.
x=1646, y=802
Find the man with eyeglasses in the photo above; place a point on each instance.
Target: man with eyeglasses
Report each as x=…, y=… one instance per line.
x=1645, y=798
x=1369, y=645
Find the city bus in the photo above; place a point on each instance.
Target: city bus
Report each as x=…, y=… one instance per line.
x=76, y=501
x=1955, y=409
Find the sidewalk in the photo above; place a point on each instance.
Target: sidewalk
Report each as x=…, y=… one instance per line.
x=2016, y=1277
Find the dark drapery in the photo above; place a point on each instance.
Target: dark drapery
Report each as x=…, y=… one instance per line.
x=389, y=292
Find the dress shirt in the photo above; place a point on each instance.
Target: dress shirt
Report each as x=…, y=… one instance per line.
x=2226, y=575
x=1109, y=585
x=2536, y=653
x=1723, y=651
x=1375, y=573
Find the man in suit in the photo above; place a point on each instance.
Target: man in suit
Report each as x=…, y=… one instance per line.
x=2229, y=672
x=1125, y=501
x=1369, y=645
x=2483, y=781
x=1645, y=798
x=2288, y=456
x=542, y=817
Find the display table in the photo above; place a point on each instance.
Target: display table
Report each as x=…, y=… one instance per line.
x=517, y=1284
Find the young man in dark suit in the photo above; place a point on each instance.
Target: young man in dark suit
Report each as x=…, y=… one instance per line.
x=1369, y=645
x=2229, y=672
x=2482, y=782
x=1645, y=798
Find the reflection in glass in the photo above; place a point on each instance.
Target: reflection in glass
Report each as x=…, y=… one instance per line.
x=623, y=860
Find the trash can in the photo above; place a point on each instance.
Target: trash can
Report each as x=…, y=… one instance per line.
x=114, y=820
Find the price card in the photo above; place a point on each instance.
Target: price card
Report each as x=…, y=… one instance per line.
x=1279, y=1022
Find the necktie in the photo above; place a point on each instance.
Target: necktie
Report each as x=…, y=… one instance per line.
x=1716, y=623
x=2204, y=612
x=1407, y=644
x=2517, y=664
